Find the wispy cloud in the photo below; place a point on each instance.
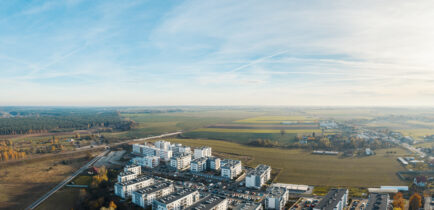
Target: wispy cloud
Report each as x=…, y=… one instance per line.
x=220, y=52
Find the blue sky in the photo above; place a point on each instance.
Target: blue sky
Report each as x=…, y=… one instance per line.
x=365, y=53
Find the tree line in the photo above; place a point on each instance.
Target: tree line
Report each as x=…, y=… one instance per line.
x=66, y=122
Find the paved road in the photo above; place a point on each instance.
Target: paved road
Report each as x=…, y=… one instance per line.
x=66, y=181
x=79, y=171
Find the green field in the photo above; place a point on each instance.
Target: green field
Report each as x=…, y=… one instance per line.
x=277, y=119
x=301, y=167
x=228, y=130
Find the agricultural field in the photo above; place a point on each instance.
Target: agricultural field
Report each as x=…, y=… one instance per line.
x=301, y=167
x=417, y=134
x=23, y=182
x=282, y=129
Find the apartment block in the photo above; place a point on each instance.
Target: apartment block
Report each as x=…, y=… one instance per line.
x=231, y=168
x=210, y=202
x=177, y=200
x=145, y=196
x=202, y=152
x=276, y=198
x=180, y=162
x=213, y=163
x=125, y=189
x=378, y=201
x=336, y=199
x=258, y=177
x=198, y=165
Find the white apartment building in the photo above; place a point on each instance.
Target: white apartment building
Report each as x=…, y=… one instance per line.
x=164, y=145
x=133, y=168
x=231, y=168
x=145, y=196
x=179, y=148
x=258, y=177
x=166, y=154
x=125, y=189
x=248, y=206
x=213, y=163
x=211, y=202
x=126, y=176
x=198, y=165
x=177, y=201
x=202, y=152
x=276, y=198
x=147, y=161
x=336, y=199
x=180, y=162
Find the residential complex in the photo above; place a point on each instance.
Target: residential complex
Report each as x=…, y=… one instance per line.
x=176, y=201
x=258, y=177
x=145, y=196
x=336, y=199
x=231, y=168
x=276, y=198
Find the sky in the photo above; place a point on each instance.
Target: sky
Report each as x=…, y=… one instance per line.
x=274, y=53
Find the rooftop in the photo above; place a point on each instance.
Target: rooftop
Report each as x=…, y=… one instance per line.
x=175, y=196
x=199, y=160
x=154, y=188
x=276, y=191
x=228, y=163
x=126, y=173
x=134, y=181
x=247, y=206
x=259, y=170
x=377, y=201
x=131, y=166
x=333, y=197
x=207, y=203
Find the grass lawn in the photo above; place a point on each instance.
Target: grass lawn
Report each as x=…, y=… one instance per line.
x=300, y=167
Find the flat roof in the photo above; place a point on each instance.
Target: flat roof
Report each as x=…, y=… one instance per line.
x=291, y=186
x=134, y=181
x=276, y=191
x=247, y=206
x=228, y=163
x=207, y=203
x=333, y=197
x=377, y=201
x=259, y=170
x=154, y=188
x=176, y=195
x=197, y=160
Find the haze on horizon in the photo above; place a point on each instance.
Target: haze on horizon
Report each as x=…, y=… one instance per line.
x=112, y=53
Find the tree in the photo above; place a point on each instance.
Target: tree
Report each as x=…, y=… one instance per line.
x=398, y=201
x=415, y=202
